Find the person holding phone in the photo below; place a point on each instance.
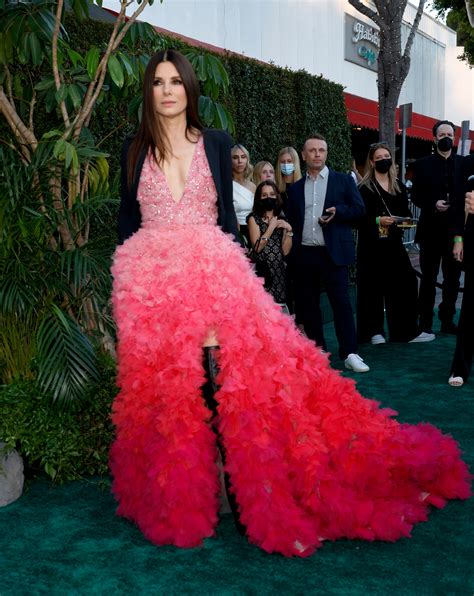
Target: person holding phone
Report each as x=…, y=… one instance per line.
x=386, y=280
x=435, y=182
x=320, y=209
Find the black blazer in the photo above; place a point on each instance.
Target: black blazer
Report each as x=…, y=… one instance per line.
x=428, y=188
x=217, y=145
x=341, y=193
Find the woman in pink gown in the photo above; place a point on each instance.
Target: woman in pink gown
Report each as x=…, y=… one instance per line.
x=307, y=457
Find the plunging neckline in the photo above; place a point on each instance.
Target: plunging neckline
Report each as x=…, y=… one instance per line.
x=178, y=201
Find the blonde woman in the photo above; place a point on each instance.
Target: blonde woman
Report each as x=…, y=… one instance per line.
x=243, y=187
x=287, y=170
x=263, y=170
x=386, y=281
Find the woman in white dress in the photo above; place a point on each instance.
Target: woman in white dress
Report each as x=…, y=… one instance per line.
x=244, y=188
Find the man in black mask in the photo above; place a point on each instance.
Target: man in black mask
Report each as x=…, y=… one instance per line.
x=436, y=180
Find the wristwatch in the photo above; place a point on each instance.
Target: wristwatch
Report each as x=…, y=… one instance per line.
x=290, y=233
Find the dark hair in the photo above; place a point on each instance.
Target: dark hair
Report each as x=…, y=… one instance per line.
x=257, y=208
x=151, y=136
x=440, y=123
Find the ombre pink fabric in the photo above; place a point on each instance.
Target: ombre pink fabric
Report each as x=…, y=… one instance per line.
x=308, y=457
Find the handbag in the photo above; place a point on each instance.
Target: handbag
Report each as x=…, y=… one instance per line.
x=260, y=265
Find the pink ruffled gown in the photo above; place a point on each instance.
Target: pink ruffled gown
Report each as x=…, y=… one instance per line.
x=308, y=457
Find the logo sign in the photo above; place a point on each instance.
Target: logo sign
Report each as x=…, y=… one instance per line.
x=362, y=43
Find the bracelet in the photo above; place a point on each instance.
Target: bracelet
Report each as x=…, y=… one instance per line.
x=458, y=239
x=377, y=220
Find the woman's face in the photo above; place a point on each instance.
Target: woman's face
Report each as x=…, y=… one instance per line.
x=169, y=93
x=239, y=161
x=286, y=158
x=268, y=192
x=379, y=154
x=267, y=173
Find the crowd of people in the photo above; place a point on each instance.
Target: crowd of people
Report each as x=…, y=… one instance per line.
x=306, y=240
x=208, y=363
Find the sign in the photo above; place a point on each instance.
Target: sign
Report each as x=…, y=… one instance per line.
x=362, y=43
x=404, y=115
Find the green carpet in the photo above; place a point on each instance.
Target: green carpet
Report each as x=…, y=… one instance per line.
x=67, y=540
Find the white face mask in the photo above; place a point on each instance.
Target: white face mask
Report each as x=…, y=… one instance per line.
x=287, y=168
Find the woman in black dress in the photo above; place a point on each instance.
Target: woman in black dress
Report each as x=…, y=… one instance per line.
x=385, y=277
x=271, y=239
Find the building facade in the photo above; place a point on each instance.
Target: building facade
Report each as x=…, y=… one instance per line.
x=332, y=39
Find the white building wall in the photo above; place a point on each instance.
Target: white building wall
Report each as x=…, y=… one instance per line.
x=309, y=34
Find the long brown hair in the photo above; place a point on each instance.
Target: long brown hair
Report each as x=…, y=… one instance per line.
x=151, y=136
x=369, y=173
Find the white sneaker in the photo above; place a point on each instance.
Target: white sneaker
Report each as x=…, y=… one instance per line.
x=375, y=340
x=422, y=337
x=354, y=362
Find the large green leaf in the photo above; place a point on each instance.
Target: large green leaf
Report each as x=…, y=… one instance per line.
x=115, y=70
x=65, y=359
x=92, y=62
x=76, y=95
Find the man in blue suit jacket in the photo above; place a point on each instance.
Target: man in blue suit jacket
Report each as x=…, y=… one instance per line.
x=321, y=207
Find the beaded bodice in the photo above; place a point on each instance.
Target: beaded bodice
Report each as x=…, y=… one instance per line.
x=198, y=204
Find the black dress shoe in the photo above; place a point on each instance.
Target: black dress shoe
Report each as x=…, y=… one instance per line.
x=449, y=328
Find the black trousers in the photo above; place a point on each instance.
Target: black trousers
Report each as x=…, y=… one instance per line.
x=386, y=285
x=464, y=352
x=312, y=266
x=434, y=252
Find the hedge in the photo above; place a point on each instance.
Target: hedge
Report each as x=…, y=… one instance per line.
x=272, y=107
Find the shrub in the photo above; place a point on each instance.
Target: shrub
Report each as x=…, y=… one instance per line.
x=64, y=444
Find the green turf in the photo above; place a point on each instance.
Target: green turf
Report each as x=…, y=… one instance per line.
x=67, y=540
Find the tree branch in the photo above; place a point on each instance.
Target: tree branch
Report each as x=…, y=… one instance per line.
x=365, y=10
x=22, y=133
x=470, y=12
x=413, y=30
x=95, y=87
x=32, y=111
x=9, y=86
x=57, y=76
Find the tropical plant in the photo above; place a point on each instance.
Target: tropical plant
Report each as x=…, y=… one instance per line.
x=55, y=282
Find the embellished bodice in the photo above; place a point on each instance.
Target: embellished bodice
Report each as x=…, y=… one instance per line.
x=198, y=204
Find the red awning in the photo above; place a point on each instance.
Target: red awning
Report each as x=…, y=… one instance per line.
x=365, y=112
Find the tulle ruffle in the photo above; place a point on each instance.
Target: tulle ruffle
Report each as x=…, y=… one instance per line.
x=308, y=457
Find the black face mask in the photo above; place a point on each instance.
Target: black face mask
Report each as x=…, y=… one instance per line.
x=268, y=204
x=383, y=165
x=445, y=144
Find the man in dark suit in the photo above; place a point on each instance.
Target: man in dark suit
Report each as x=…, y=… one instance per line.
x=436, y=179
x=320, y=209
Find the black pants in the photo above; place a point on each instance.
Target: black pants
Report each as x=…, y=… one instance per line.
x=464, y=352
x=311, y=266
x=433, y=253
x=386, y=281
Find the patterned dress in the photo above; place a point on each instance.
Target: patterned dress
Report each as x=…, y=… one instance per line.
x=272, y=256
x=308, y=457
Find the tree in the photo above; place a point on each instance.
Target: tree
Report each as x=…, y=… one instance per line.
x=393, y=63
x=460, y=17
x=54, y=180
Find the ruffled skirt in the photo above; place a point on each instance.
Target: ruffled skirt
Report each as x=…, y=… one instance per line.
x=308, y=457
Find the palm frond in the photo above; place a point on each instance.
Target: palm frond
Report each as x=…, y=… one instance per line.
x=66, y=360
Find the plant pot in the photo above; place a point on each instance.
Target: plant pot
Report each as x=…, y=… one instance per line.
x=11, y=475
